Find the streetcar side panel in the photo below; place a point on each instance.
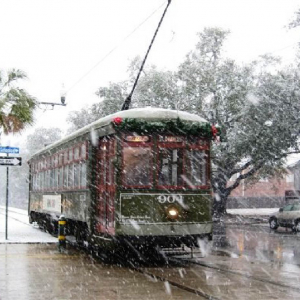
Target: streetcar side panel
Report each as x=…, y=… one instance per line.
x=60, y=183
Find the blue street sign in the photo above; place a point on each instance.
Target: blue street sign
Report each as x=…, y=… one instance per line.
x=7, y=149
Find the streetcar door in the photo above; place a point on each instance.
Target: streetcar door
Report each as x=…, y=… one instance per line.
x=106, y=185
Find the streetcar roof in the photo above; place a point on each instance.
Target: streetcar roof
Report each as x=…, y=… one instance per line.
x=146, y=113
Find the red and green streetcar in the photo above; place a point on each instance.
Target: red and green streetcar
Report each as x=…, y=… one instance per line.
x=139, y=177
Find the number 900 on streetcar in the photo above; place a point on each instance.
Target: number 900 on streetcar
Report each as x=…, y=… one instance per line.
x=138, y=177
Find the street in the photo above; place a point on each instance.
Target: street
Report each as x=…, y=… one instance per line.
x=255, y=264
x=260, y=243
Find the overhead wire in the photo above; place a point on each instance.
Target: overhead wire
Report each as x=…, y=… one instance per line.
x=114, y=48
x=286, y=47
x=274, y=51
x=129, y=35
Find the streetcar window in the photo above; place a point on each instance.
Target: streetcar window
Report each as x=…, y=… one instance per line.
x=43, y=180
x=66, y=157
x=66, y=171
x=40, y=178
x=47, y=179
x=196, y=167
x=37, y=180
x=55, y=178
x=137, y=166
x=60, y=159
x=52, y=178
x=170, y=167
x=70, y=155
x=33, y=182
x=83, y=151
x=83, y=175
x=76, y=175
x=41, y=187
x=61, y=177
x=71, y=176
x=76, y=153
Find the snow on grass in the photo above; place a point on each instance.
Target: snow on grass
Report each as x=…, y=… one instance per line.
x=252, y=211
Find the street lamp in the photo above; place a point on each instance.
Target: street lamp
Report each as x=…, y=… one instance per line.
x=62, y=99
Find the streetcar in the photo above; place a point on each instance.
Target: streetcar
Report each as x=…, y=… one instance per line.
x=139, y=177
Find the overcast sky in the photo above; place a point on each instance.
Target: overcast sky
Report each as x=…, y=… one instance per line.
x=60, y=41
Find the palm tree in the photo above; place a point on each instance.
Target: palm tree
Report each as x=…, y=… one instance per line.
x=16, y=105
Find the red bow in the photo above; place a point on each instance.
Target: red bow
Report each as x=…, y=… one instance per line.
x=214, y=131
x=117, y=120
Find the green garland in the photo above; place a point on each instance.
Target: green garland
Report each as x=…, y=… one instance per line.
x=170, y=126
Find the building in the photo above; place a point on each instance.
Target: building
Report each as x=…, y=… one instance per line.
x=266, y=193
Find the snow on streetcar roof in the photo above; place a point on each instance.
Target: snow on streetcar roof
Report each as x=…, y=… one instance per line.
x=146, y=113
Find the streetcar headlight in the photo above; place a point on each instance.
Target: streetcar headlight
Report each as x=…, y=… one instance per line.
x=172, y=212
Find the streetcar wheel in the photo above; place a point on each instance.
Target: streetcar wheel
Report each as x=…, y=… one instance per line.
x=31, y=218
x=273, y=224
x=297, y=226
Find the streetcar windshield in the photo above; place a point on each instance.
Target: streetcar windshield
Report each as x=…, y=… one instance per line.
x=137, y=166
x=197, y=167
x=170, y=167
x=169, y=162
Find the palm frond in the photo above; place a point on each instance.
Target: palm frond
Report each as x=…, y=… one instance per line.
x=16, y=110
x=15, y=74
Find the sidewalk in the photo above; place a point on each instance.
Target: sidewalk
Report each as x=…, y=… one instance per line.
x=248, y=216
x=252, y=211
x=19, y=229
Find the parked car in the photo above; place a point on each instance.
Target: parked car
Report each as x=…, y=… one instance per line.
x=287, y=216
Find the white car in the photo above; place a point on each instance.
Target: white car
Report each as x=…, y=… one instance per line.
x=287, y=216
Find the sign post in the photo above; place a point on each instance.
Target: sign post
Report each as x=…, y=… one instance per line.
x=6, y=206
x=8, y=162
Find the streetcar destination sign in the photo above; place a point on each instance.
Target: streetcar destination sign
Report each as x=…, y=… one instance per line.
x=7, y=149
x=10, y=161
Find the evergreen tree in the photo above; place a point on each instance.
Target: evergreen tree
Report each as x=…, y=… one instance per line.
x=256, y=105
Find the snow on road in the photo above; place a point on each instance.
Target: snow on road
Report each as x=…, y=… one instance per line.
x=19, y=229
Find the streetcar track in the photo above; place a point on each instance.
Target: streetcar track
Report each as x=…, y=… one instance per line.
x=276, y=283
x=153, y=276
x=192, y=290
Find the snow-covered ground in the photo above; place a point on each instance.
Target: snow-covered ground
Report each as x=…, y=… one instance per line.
x=252, y=211
x=19, y=229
